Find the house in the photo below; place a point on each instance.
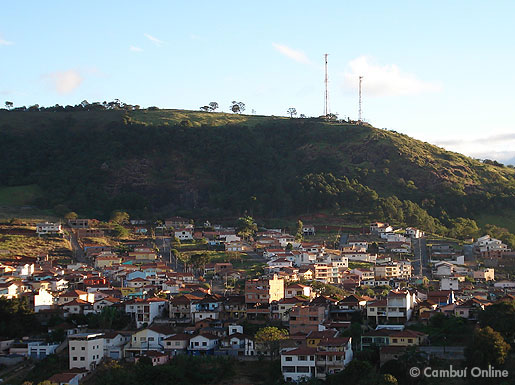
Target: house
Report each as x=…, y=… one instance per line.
x=177, y=343
x=397, y=308
x=80, y=223
x=389, y=337
x=184, y=234
x=234, y=307
x=308, y=230
x=71, y=378
x=8, y=290
x=75, y=295
x=99, y=305
x=149, y=338
x=43, y=300
x=470, y=308
x=298, y=363
x=304, y=319
x=38, y=350
x=263, y=290
x=114, y=343
x=414, y=233
x=144, y=311
x=48, y=228
x=484, y=275
x=236, y=343
x=77, y=306
x=450, y=283
x=156, y=357
x=85, y=350
x=177, y=222
x=332, y=356
x=181, y=308
x=203, y=344
x=298, y=289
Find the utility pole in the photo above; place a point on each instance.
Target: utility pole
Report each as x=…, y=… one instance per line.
x=359, y=111
x=326, y=96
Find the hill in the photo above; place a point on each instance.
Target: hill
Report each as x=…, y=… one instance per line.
x=154, y=162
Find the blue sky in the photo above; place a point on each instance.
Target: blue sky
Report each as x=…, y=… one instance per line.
x=439, y=71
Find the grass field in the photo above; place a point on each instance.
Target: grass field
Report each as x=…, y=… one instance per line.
x=196, y=118
x=27, y=245
x=19, y=195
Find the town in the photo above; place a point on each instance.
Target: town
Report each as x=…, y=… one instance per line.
x=314, y=296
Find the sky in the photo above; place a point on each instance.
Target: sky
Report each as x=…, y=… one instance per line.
x=440, y=71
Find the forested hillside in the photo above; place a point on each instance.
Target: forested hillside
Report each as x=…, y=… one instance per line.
x=152, y=162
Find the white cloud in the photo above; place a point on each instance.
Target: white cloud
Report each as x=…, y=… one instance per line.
x=65, y=82
x=154, y=40
x=385, y=80
x=133, y=48
x=5, y=42
x=298, y=56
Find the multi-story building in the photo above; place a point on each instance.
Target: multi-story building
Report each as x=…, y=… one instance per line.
x=144, y=311
x=304, y=319
x=86, y=350
x=47, y=228
x=263, y=290
x=397, y=308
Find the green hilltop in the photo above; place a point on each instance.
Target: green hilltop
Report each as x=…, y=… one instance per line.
x=158, y=162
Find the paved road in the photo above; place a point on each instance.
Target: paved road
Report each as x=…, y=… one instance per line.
x=78, y=253
x=420, y=252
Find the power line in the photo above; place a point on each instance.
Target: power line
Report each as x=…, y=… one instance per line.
x=359, y=110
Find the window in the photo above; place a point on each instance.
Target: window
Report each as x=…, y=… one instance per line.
x=302, y=369
x=83, y=358
x=151, y=338
x=82, y=348
x=289, y=369
x=302, y=358
x=73, y=347
x=74, y=358
x=394, y=340
x=288, y=358
x=410, y=340
x=204, y=343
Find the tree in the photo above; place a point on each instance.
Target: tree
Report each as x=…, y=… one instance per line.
x=292, y=112
x=246, y=227
x=9, y=105
x=270, y=337
x=299, y=234
x=487, y=348
x=302, y=116
x=500, y=317
x=199, y=260
x=71, y=215
x=213, y=106
x=205, y=108
x=119, y=217
x=237, y=107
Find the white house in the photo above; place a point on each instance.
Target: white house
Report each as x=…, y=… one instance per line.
x=183, y=234
x=204, y=343
x=505, y=284
x=47, y=228
x=43, y=300
x=449, y=283
x=85, y=350
x=39, y=350
x=414, y=233
x=8, y=290
x=298, y=289
x=145, y=310
x=24, y=270
x=308, y=230
x=114, y=344
x=298, y=363
x=151, y=338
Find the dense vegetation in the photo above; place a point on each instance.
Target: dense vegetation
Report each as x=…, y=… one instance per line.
x=158, y=162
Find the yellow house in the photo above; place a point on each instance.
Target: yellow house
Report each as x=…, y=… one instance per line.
x=407, y=338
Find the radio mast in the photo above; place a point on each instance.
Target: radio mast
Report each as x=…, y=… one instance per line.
x=359, y=111
x=326, y=96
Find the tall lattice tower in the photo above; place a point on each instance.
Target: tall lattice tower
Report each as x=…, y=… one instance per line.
x=359, y=110
x=326, y=95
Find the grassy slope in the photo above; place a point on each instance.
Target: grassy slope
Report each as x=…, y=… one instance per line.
x=385, y=160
